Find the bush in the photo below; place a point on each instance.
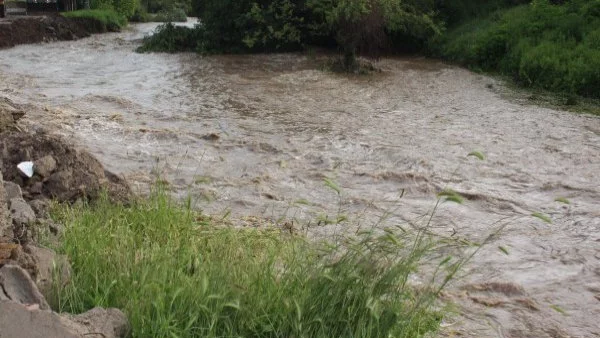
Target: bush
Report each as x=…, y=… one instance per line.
x=111, y=20
x=173, y=15
x=358, y=26
x=554, y=47
x=166, y=6
x=175, y=274
x=170, y=38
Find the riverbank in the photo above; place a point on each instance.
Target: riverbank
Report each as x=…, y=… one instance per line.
x=254, y=136
x=174, y=271
x=30, y=271
x=36, y=29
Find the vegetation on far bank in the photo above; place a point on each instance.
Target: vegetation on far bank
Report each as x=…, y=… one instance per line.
x=539, y=45
x=108, y=18
x=176, y=273
x=547, y=44
x=142, y=11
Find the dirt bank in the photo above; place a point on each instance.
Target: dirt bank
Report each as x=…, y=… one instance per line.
x=24, y=30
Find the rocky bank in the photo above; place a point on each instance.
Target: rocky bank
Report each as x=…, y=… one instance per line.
x=28, y=272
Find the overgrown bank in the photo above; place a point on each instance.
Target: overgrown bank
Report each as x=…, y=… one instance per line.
x=540, y=45
x=547, y=44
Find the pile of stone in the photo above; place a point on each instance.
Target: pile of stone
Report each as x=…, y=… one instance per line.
x=29, y=272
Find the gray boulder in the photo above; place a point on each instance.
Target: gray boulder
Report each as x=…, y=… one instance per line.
x=21, y=212
x=18, y=287
x=47, y=261
x=24, y=312
x=19, y=321
x=100, y=323
x=22, y=217
x=13, y=190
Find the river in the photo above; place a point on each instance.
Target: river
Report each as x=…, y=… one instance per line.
x=255, y=138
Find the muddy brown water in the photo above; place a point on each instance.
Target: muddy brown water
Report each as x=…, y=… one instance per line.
x=256, y=136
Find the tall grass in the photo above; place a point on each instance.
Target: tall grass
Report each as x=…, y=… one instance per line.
x=176, y=274
x=108, y=18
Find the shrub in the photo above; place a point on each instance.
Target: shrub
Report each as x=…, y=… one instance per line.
x=174, y=14
x=358, y=26
x=170, y=38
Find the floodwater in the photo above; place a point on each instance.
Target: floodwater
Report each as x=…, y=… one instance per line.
x=255, y=137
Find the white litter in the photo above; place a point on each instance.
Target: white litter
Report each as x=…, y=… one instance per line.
x=26, y=168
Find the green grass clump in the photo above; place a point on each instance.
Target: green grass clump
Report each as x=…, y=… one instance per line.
x=554, y=47
x=175, y=274
x=111, y=20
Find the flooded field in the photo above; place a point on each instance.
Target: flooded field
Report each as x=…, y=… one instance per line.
x=255, y=137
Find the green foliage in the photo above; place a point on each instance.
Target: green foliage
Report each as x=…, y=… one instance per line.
x=170, y=39
x=168, y=6
x=358, y=26
x=175, y=14
x=275, y=26
x=109, y=19
x=553, y=47
x=175, y=274
x=125, y=8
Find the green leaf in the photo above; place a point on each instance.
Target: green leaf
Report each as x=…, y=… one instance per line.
x=331, y=184
x=233, y=305
x=543, y=217
x=504, y=250
x=303, y=201
x=451, y=195
x=558, y=309
x=477, y=154
x=562, y=200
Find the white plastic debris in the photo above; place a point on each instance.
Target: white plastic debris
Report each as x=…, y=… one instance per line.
x=26, y=168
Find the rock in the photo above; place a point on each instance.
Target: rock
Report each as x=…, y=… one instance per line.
x=6, y=232
x=13, y=190
x=24, y=311
x=72, y=173
x=36, y=188
x=9, y=114
x=101, y=323
x=8, y=251
x=40, y=207
x=44, y=166
x=18, y=255
x=59, y=182
x=18, y=320
x=22, y=217
x=47, y=260
x=21, y=212
x=19, y=287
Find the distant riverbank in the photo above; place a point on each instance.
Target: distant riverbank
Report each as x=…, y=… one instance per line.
x=36, y=29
